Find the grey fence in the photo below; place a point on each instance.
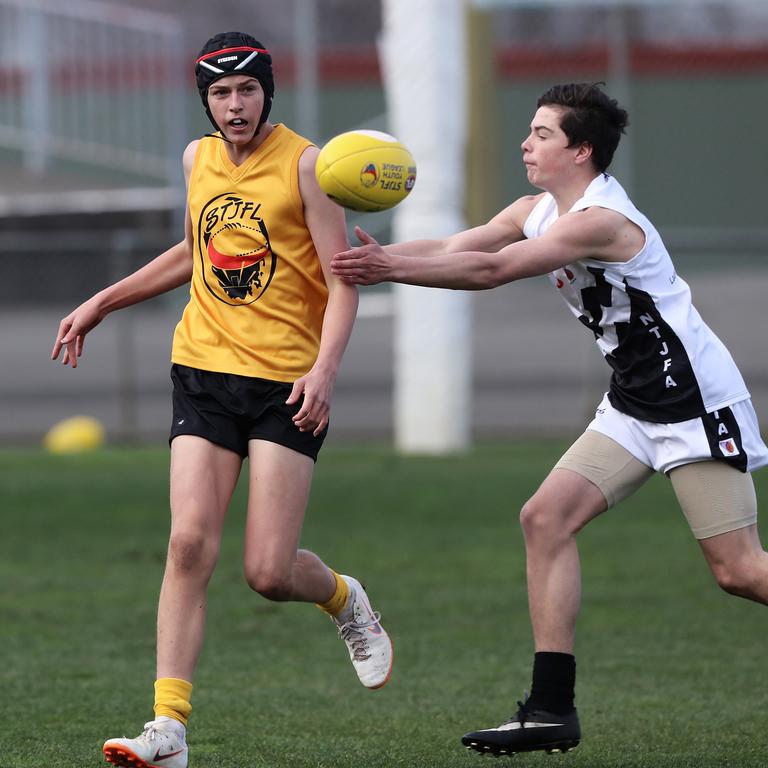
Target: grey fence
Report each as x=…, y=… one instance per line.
x=96, y=83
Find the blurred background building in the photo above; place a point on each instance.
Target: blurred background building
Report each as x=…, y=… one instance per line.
x=97, y=102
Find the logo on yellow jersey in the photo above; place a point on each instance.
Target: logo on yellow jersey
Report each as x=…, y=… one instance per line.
x=233, y=246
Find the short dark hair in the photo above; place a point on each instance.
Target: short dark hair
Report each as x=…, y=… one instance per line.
x=590, y=116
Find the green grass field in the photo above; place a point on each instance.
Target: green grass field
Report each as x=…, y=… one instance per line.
x=671, y=671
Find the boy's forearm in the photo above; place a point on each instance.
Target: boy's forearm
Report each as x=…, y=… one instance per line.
x=167, y=271
x=416, y=248
x=339, y=318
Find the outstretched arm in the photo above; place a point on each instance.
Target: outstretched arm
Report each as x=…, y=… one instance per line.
x=372, y=263
x=594, y=233
x=504, y=228
x=167, y=271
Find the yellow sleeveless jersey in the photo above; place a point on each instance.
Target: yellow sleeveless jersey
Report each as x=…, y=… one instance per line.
x=258, y=294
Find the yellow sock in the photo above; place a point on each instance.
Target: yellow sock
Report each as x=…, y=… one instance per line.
x=339, y=598
x=172, y=698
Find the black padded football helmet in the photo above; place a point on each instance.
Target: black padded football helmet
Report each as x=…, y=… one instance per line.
x=232, y=53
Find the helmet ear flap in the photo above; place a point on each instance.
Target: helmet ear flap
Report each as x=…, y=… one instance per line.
x=265, y=112
x=210, y=116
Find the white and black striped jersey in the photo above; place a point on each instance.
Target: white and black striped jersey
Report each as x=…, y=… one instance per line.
x=668, y=366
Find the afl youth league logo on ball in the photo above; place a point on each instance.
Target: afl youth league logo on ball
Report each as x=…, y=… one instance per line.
x=233, y=246
x=369, y=175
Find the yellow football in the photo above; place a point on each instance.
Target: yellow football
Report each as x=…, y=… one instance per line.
x=75, y=435
x=365, y=170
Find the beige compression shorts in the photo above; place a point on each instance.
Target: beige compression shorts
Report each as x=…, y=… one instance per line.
x=714, y=496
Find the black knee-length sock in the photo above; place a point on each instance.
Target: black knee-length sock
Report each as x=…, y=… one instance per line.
x=554, y=679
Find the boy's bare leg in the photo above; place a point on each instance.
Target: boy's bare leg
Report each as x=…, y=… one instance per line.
x=203, y=478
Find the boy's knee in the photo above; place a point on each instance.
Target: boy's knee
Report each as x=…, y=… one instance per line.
x=540, y=519
x=532, y=517
x=191, y=552
x=269, y=583
x=735, y=578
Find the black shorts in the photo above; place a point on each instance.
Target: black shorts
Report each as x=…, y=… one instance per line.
x=229, y=410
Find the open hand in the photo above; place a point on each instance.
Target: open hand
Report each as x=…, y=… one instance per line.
x=367, y=264
x=72, y=330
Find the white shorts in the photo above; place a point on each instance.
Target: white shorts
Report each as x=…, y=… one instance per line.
x=730, y=434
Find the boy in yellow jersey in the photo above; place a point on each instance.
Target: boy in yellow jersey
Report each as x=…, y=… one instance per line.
x=254, y=361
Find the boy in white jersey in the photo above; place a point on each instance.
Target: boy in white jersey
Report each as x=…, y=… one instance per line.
x=255, y=359
x=677, y=403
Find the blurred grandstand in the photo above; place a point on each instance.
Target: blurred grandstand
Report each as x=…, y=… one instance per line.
x=97, y=101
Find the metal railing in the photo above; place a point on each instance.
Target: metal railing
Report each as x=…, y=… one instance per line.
x=93, y=83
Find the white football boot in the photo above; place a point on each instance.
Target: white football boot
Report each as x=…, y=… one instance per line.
x=370, y=648
x=162, y=745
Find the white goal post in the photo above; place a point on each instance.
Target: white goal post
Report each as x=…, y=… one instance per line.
x=424, y=65
x=425, y=68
